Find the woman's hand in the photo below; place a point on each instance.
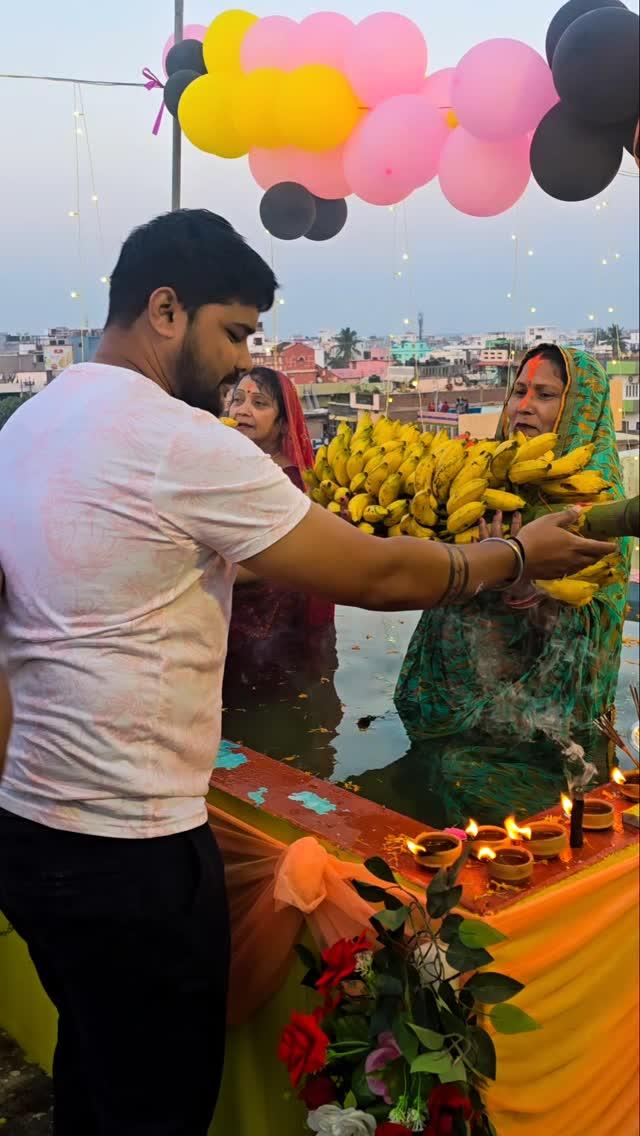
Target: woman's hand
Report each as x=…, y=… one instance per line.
x=524, y=594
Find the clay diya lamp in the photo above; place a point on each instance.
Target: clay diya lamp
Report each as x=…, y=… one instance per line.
x=486, y=836
x=548, y=839
x=508, y=865
x=628, y=783
x=597, y=814
x=435, y=849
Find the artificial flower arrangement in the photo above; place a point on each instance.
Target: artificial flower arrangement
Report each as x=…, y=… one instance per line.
x=397, y=1044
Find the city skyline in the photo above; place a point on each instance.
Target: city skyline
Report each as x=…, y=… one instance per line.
x=459, y=272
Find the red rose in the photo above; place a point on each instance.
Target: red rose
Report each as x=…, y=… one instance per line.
x=318, y=1091
x=340, y=961
x=390, y=1129
x=444, y=1102
x=303, y=1046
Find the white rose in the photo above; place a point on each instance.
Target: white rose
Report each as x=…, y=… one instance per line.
x=331, y=1120
x=431, y=964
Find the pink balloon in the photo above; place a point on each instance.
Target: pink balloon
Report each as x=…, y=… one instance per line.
x=437, y=88
x=323, y=173
x=502, y=89
x=324, y=38
x=269, y=167
x=190, y=31
x=395, y=149
x=388, y=56
x=482, y=178
x=269, y=43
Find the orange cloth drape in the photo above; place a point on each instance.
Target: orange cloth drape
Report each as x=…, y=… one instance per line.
x=574, y=944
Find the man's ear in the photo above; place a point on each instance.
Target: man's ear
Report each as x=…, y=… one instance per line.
x=166, y=314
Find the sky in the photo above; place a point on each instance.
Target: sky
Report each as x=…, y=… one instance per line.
x=460, y=269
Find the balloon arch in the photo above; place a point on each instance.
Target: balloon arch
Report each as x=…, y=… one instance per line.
x=326, y=109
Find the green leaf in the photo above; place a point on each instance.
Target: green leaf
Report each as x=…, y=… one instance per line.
x=350, y=1101
x=439, y=903
x=457, y=1072
x=379, y=867
x=465, y=959
x=389, y=985
x=429, y=1038
x=473, y=933
x=483, y=1054
x=307, y=957
x=425, y=1009
x=392, y=903
x=454, y=871
x=353, y=1029
x=511, y=1019
x=450, y=928
x=439, y=883
x=438, y=1063
x=406, y=1040
x=491, y=987
x=370, y=892
x=391, y=920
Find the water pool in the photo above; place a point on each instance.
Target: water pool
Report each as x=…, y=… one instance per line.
x=314, y=713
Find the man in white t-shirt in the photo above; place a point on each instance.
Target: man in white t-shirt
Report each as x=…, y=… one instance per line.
x=125, y=509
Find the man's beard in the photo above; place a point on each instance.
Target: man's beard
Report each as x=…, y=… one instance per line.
x=195, y=381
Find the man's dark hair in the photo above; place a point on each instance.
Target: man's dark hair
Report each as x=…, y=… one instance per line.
x=196, y=253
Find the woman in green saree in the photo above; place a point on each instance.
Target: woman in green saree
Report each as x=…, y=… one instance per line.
x=511, y=674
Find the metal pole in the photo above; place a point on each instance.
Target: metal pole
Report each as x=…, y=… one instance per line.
x=176, y=156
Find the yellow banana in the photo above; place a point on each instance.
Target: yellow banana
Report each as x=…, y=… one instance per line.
x=392, y=446
x=335, y=445
x=440, y=441
x=358, y=483
x=469, y=536
x=376, y=480
x=410, y=484
x=341, y=495
x=577, y=593
x=394, y=530
x=358, y=504
x=395, y=460
x=340, y=469
x=586, y=483
x=321, y=457
x=390, y=489
x=503, y=459
x=408, y=466
x=596, y=572
x=346, y=433
x=355, y=465
x=229, y=422
x=374, y=514
x=465, y=517
x=396, y=511
x=520, y=438
x=320, y=497
x=374, y=461
x=370, y=453
x=360, y=443
x=334, y=507
x=529, y=472
x=537, y=447
x=329, y=488
x=422, y=510
x=364, y=424
x=424, y=473
x=474, y=468
x=410, y=434
x=366, y=528
x=384, y=430
x=449, y=462
x=310, y=479
x=571, y=463
x=411, y=527
x=506, y=502
x=472, y=491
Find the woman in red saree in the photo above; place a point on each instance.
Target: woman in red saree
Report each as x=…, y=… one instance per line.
x=270, y=625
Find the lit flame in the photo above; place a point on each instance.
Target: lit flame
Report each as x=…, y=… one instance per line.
x=415, y=848
x=618, y=776
x=486, y=854
x=472, y=828
x=567, y=804
x=514, y=830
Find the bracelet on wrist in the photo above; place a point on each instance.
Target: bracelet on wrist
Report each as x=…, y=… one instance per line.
x=514, y=544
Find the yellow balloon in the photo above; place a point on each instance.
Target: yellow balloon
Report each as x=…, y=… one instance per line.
x=224, y=38
x=254, y=107
x=204, y=113
x=317, y=108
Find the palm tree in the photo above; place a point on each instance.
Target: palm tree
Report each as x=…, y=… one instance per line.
x=346, y=347
x=615, y=335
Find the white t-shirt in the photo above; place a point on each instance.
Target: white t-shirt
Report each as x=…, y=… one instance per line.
x=122, y=514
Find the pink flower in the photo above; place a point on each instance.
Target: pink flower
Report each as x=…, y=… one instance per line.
x=389, y=1051
x=459, y=832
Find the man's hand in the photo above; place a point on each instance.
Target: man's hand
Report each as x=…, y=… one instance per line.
x=552, y=552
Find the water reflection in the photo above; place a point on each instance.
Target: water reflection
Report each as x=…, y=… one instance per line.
x=303, y=704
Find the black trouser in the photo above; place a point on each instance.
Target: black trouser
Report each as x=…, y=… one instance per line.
x=130, y=939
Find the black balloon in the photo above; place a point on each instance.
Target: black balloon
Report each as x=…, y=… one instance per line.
x=331, y=218
x=570, y=12
x=624, y=132
x=572, y=160
x=175, y=87
x=288, y=211
x=186, y=56
x=596, y=66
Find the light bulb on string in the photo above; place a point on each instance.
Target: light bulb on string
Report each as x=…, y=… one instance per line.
x=533, y=311
x=591, y=316
x=616, y=256
x=75, y=295
x=94, y=197
x=611, y=311
x=73, y=213
x=529, y=252
x=104, y=280
x=514, y=236
x=598, y=208
x=604, y=260
x=508, y=295
x=398, y=274
x=405, y=256
x=281, y=301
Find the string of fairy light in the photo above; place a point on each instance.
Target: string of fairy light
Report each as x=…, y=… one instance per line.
x=402, y=273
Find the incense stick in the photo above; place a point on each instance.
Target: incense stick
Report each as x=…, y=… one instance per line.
x=635, y=694
x=608, y=729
